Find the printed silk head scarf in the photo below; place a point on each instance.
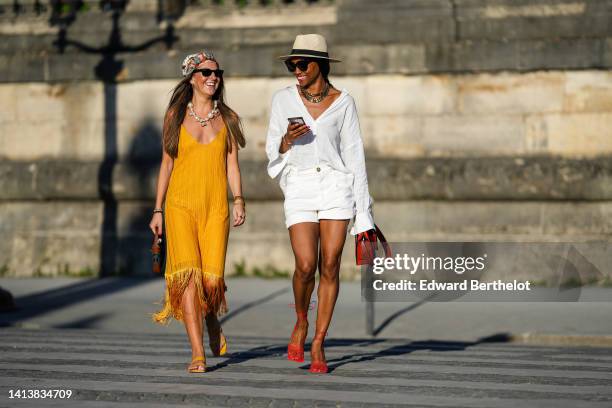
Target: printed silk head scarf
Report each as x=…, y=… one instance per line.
x=193, y=60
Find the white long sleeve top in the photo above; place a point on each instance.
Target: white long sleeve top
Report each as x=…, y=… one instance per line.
x=337, y=136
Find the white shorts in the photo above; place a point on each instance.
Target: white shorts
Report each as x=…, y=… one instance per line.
x=318, y=193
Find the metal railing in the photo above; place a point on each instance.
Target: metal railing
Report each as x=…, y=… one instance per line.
x=14, y=8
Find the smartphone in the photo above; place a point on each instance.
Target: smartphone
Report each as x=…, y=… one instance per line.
x=296, y=120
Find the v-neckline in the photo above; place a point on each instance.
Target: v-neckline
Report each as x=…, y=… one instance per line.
x=197, y=141
x=296, y=92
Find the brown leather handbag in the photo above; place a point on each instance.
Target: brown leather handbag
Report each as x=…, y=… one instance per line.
x=366, y=244
x=156, y=251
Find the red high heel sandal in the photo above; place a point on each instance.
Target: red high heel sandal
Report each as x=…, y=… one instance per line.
x=319, y=367
x=295, y=352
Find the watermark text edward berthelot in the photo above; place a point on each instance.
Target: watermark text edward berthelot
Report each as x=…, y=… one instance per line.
x=464, y=285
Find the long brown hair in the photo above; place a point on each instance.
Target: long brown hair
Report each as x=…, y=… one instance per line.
x=177, y=107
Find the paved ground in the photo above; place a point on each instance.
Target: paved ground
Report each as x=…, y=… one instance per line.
x=94, y=337
x=262, y=308
x=116, y=369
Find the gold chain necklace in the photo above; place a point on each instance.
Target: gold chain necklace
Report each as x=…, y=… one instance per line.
x=315, y=98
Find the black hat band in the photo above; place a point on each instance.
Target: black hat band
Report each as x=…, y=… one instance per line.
x=310, y=52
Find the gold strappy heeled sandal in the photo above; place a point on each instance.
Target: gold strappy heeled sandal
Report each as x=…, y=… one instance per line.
x=218, y=343
x=219, y=347
x=197, y=368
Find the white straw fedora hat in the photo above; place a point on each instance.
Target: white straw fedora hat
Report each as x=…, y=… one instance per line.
x=309, y=45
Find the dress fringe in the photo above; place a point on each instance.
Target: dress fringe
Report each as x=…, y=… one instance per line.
x=210, y=291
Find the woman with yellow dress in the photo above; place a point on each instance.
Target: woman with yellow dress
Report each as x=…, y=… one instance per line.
x=201, y=137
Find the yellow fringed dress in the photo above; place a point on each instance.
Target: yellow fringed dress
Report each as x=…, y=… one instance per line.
x=196, y=225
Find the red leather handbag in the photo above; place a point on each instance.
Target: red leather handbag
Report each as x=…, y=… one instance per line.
x=366, y=244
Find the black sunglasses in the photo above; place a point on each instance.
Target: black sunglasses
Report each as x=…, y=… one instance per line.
x=206, y=72
x=301, y=64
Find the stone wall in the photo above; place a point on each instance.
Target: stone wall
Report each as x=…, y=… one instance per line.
x=390, y=37
x=549, y=113
x=441, y=123
x=482, y=120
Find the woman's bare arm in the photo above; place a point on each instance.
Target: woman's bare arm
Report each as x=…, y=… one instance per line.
x=235, y=184
x=163, y=179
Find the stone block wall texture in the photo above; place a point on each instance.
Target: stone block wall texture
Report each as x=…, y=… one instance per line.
x=482, y=120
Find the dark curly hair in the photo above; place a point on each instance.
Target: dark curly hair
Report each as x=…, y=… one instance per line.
x=323, y=67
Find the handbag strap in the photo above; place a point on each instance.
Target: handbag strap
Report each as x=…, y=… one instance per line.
x=365, y=236
x=383, y=242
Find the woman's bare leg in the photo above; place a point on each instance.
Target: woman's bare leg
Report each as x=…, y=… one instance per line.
x=333, y=236
x=304, y=242
x=192, y=317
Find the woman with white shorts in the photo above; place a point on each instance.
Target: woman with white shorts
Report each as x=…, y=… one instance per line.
x=315, y=150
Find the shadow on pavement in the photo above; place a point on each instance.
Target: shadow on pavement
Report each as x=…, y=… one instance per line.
x=400, y=312
x=269, y=351
x=279, y=351
x=251, y=354
x=52, y=300
x=85, y=322
x=410, y=347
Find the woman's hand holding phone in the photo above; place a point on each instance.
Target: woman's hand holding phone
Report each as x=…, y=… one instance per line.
x=296, y=128
x=294, y=131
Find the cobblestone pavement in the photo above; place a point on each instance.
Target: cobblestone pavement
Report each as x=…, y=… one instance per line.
x=108, y=369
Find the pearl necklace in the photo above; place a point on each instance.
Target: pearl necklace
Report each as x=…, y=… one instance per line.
x=203, y=122
x=316, y=98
